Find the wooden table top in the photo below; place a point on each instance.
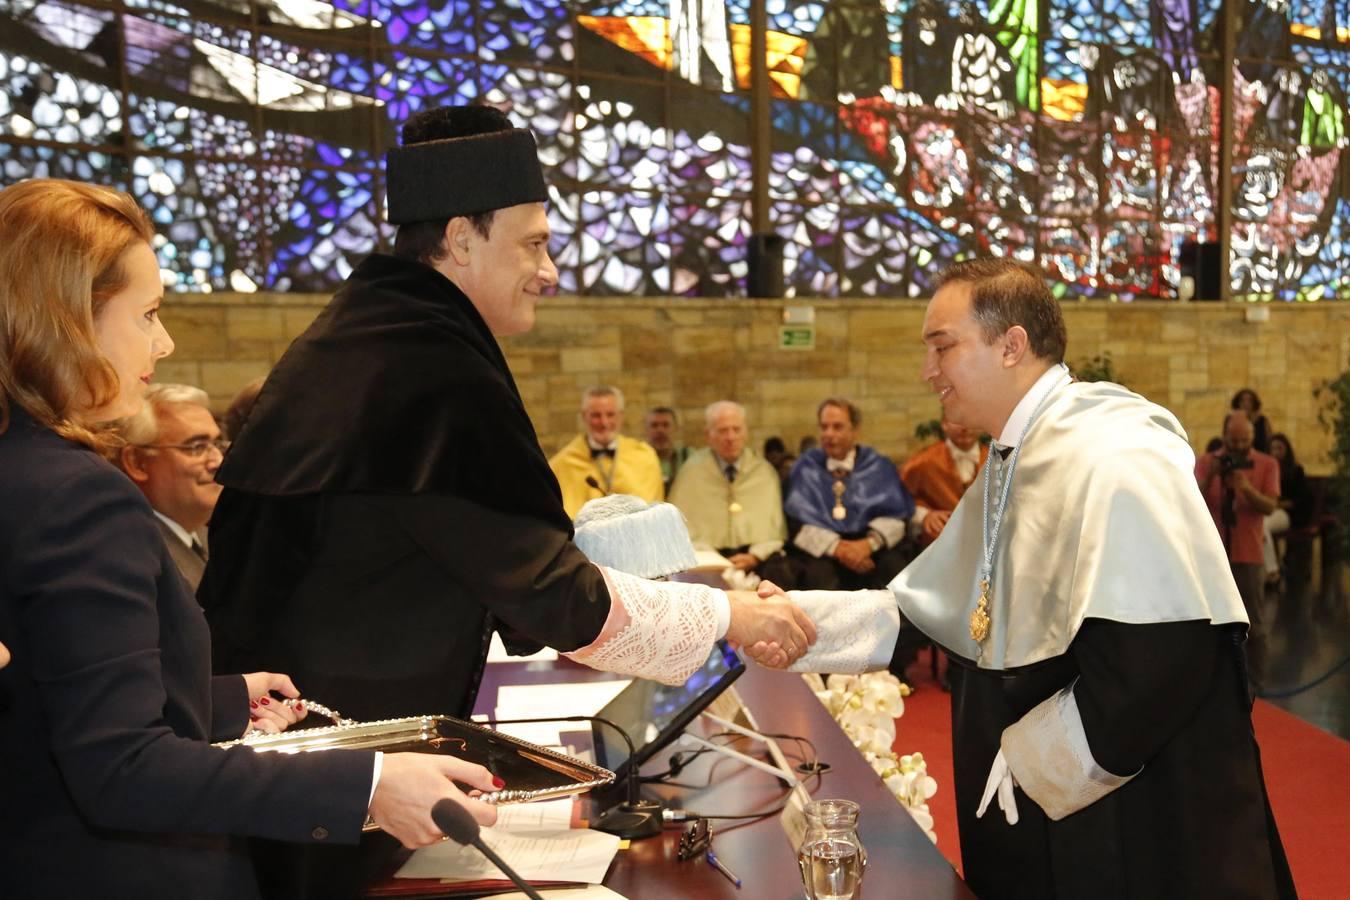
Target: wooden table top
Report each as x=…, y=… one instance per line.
x=902, y=862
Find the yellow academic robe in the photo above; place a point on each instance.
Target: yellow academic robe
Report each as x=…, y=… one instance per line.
x=636, y=469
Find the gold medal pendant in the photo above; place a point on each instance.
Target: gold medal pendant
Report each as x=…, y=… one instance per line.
x=979, y=619
x=839, y=513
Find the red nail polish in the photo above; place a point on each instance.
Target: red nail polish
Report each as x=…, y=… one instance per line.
x=252, y=704
x=498, y=783
x=264, y=701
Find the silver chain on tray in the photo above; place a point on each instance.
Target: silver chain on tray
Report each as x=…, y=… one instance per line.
x=316, y=707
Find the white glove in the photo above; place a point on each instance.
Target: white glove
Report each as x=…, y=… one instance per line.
x=1002, y=782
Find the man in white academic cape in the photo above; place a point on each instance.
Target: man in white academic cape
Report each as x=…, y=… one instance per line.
x=1101, y=722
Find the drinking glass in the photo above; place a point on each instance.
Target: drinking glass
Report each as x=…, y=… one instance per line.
x=831, y=856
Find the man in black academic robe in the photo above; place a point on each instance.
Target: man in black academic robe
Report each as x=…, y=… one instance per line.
x=386, y=505
x=1098, y=689
x=388, y=467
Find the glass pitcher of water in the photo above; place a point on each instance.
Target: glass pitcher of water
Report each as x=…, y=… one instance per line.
x=831, y=857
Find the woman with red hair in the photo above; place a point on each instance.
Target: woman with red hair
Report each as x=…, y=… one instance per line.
x=108, y=708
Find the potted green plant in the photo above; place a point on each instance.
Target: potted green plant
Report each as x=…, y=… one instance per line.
x=1334, y=415
x=1098, y=368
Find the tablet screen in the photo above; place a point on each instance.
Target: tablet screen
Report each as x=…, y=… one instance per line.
x=654, y=714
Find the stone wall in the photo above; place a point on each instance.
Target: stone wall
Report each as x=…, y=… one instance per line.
x=688, y=353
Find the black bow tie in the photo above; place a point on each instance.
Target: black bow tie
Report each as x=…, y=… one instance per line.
x=1003, y=452
x=603, y=451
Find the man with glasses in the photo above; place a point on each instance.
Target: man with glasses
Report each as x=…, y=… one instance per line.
x=172, y=452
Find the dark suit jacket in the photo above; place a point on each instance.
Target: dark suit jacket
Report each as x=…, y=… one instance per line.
x=190, y=564
x=107, y=784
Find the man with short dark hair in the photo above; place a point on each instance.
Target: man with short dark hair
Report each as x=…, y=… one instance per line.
x=848, y=508
x=173, y=448
x=602, y=460
x=1092, y=621
x=658, y=427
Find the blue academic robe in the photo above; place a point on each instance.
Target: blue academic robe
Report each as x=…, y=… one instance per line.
x=872, y=491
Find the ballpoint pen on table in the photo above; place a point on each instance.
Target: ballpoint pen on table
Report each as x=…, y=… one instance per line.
x=719, y=866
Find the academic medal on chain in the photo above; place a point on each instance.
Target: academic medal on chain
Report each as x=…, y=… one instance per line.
x=733, y=505
x=839, y=513
x=979, y=619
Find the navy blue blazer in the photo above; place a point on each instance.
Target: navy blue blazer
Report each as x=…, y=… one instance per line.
x=108, y=786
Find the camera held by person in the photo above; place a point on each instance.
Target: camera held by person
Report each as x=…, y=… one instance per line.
x=1230, y=462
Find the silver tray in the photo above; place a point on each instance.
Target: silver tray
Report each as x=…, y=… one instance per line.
x=531, y=772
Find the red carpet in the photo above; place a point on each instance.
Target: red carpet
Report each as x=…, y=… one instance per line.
x=926, y=727
x=1307, y=776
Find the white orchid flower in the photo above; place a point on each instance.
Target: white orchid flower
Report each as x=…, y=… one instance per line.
x=881, y=693
x=866, y=708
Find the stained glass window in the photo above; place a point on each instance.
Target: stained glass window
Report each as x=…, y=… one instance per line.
x=905, y=134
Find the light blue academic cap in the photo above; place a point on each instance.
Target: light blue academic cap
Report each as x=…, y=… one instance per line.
x=629, y=534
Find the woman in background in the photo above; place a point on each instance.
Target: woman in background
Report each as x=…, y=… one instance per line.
x=1247, y=401
x=1296, y=502
x=1294, y=494
x=107, y=778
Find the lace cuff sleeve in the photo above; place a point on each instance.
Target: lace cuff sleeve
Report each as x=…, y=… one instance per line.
x=658, y=630
x=855, y=630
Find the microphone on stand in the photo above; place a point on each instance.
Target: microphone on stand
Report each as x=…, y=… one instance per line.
x=460, y=826
x=632, y=819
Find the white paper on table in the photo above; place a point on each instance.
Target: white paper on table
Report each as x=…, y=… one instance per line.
x=589, y=892
x=542, y=734
x=534, y=701
x=538, y=701
x=497, y=653
x=576, y=854
x=706, y=560
x=537, y=815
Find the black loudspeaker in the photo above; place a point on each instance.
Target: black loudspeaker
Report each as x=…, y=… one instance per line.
x=1201, y=262
x=765, y=278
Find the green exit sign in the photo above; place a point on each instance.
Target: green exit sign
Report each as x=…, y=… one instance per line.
x=796, y=337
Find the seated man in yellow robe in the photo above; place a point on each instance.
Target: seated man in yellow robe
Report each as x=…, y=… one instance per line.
x=600, y=461
x=730, y=496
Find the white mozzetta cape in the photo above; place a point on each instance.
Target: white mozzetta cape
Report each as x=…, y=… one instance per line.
x=1104, y=520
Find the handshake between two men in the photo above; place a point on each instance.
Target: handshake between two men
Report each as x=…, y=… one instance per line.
x=768, y=627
